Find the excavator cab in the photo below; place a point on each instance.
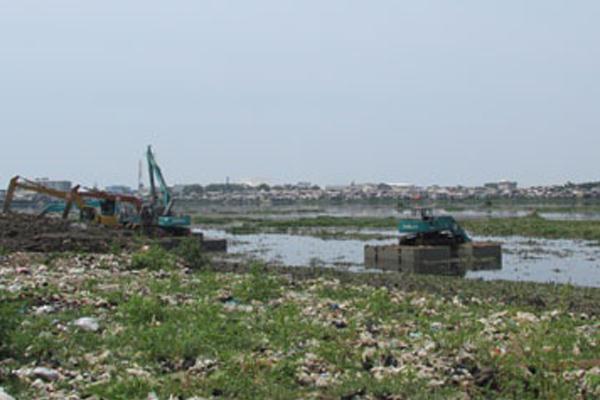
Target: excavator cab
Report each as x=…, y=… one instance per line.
x=112, y=209
x=108, y=213
x=87, y=214
x=424, y=228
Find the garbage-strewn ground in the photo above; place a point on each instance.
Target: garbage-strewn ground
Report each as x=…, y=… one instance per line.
x=145, y=327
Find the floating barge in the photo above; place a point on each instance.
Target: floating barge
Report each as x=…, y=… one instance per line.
x=430, y=244
x=437, y=260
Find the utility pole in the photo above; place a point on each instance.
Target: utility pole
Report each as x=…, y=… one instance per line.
x=140, y=183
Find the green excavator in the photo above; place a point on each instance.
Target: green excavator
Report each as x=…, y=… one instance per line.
x=158, y=212
x=423, y=228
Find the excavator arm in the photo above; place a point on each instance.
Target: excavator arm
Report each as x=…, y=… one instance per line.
x=18, y=182
x=10, y=194
x=160, y=210
x=155, y=174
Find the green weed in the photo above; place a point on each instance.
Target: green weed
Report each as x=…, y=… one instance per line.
x=154, y=258
x=190, y=251
x=260, y=285
x=535, y=226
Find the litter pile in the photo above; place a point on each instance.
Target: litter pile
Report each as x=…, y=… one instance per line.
x=91, y=326
x=21, y=232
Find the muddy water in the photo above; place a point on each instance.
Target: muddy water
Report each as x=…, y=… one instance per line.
x=543, y=260
x=297, y=250
x=524, y=259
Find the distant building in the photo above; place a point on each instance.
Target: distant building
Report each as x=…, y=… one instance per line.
x=304, y=185
x=252, y=182
x=63, y=186
x=507, y=186
x=335, y=187
x=178, y=189
x=119, y=189
x=503, y=185
x=401, y=185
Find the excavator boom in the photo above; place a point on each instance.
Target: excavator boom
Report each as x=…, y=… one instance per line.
x=155, y=174
x=18, y=182
x=161, y=200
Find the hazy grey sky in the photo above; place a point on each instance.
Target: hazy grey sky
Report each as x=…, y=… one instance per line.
x=328, y=91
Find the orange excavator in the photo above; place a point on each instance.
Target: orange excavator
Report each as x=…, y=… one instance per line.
x=22, y=183
x=94, y=205
x=112, y=209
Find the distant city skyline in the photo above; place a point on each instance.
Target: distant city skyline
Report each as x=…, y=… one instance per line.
x=330, y=92
x=59, y=184
x=272, y=182
x=372, y=193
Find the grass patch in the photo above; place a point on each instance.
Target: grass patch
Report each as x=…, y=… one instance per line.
x=535, y=226
x=531, y=226
x=154, y=258
x=258, y=224
x=259, y=286
x=12, y=313
x=190, y=251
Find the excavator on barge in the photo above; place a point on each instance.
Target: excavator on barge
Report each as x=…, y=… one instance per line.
x=424, y=228
x=433, y=244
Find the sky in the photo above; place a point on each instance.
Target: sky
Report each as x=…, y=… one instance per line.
x=425, y=92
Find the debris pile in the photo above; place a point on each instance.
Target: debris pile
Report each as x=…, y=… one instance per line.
x=91, y=326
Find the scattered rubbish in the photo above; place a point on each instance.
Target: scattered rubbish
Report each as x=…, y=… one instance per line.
x=46, y=374
x=526, y=317
x=415, y=335
x=4, y=395
x=138, y=372
x=45, y=309
x=87, y=324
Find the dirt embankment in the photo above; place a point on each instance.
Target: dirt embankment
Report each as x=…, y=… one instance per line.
x=21, y=232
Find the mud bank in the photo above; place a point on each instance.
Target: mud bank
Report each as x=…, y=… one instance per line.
x=21, y=232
